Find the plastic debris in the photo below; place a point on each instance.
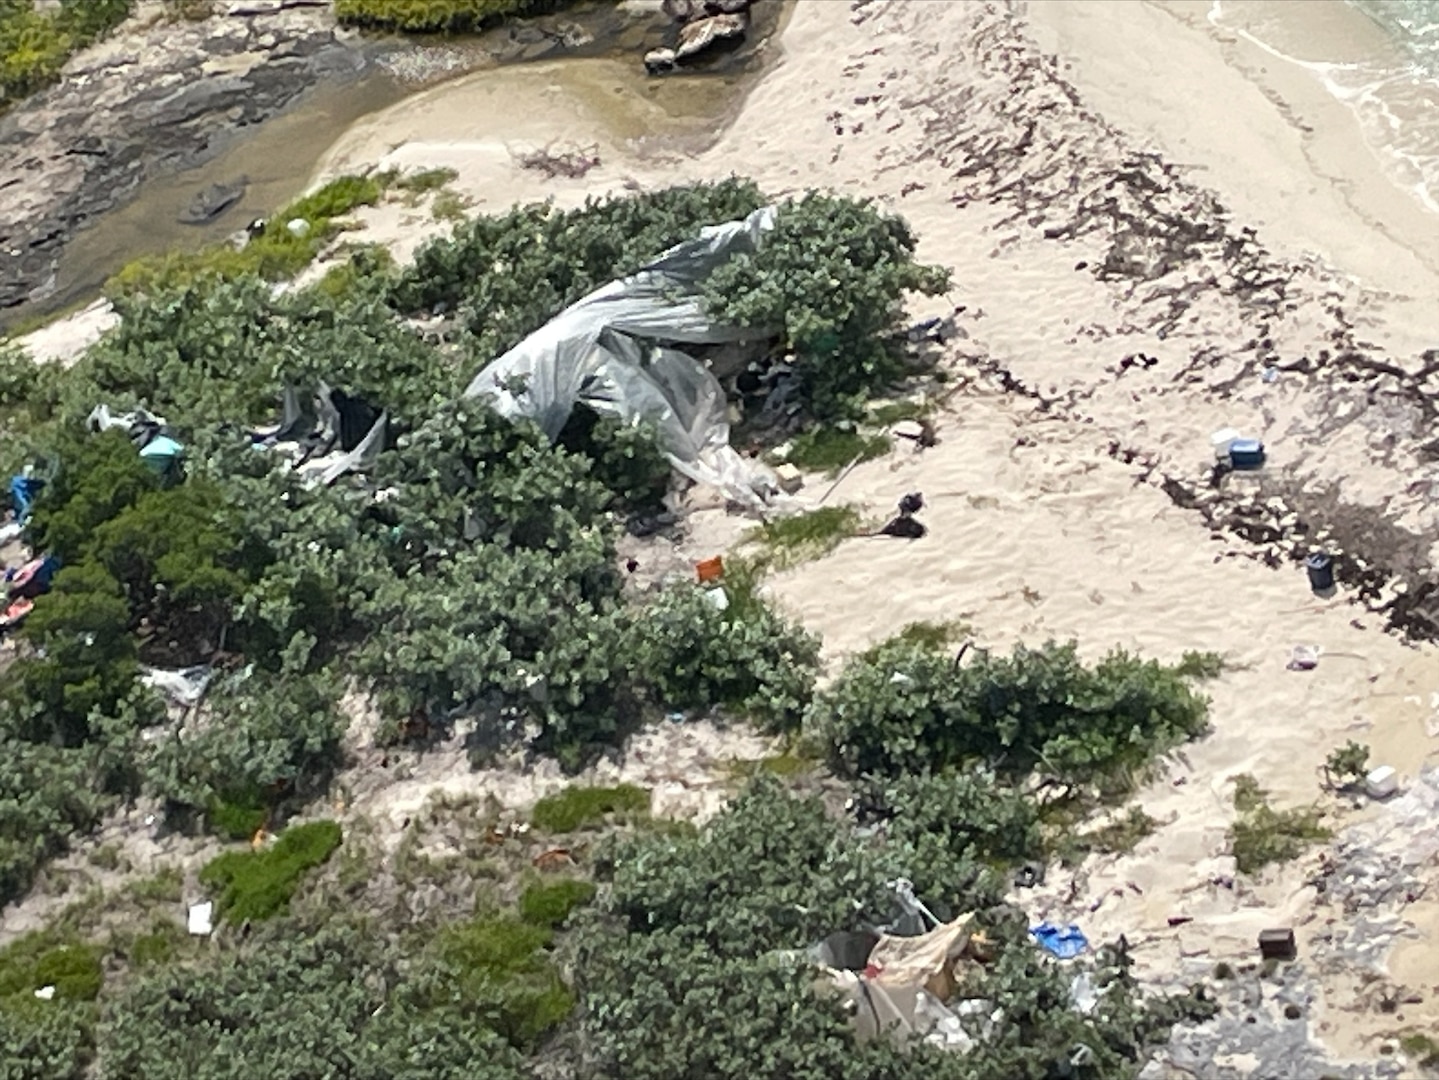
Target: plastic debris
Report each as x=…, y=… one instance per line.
x=199, y=922
x=1083, y=997
x=297, y=227
x=45, y=993
x=183, y=686
x=1304, y=658
x=718, y=598
x=1382, y=782
x=1064, y=942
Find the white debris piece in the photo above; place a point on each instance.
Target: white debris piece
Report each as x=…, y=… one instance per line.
x=200, y=918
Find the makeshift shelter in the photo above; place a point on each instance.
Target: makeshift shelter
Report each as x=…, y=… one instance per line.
x=619, y=351
x=901, y=989
x=337, y=433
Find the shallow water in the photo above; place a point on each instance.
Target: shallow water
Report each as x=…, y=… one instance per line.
x=1380, y=58
x=281, y=157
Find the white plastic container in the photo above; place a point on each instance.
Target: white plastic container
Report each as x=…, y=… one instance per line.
x=1382, y=782
x=1222, y=440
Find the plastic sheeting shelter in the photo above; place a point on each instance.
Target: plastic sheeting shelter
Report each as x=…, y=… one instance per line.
x=616, y=351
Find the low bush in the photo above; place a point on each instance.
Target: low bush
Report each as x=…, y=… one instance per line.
x=34, y=43
x=298, y=1002
x=437, y=16
x=695, y=962
x=811, y=534
x=579, y=806
x=275, y=254
x=748, y=659
x=904, y=707
x=1262, y=835
x=42, y=959
x=259, y=884
x=829, y=450
x=550, y=903
x=502, y=971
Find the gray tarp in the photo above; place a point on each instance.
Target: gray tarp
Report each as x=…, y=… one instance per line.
x=612, y=351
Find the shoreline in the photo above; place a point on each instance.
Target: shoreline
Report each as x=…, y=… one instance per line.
x=1298, y=167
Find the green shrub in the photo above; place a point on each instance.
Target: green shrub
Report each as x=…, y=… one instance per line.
x=832, y=274
x=906, y=708
x=829, y=450
x=577, y=806
x=501, y=968
x=698, y=967
x=259, y=884
x=300, y=1002
x=34, y=45
x=811, y=534
x=85, y=661
x=747, y=658
x=625, y=458
x=424, y=181
x=1347, y=766
x=42, y=959
x=268, y=737
x=437, y=16
x=274, y=255
x=239, y=814
x=1262, y=835
x=549, y=903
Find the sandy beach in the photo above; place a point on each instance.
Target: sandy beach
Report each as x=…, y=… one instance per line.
x=1106, y=181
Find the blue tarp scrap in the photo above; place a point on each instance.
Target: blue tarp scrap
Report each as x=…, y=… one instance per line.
x=1065, y=942
x=23, y=490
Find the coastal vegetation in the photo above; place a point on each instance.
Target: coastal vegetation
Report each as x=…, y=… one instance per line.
x=36, y=42
x=438, y=16
x=472, y=577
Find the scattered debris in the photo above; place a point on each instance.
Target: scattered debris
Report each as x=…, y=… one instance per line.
x=183, y=686
x=571, y=162
x=1277, y=944
x=1320, y=568
x=201, y=916
x=711, y=569
x=1064, y=942
x=1382, y=782
x=903, y=524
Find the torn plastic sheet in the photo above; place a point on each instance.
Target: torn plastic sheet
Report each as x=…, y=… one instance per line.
x=183, y=686
x=619, y=351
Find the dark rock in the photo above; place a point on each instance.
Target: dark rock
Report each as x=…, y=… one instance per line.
x=213, y=201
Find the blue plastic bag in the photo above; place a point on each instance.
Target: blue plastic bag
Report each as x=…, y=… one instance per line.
x=1064, y=942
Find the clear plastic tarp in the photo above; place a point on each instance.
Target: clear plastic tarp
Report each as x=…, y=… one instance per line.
x=619, y=350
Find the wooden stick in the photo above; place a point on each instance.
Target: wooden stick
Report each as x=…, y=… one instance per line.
x=838, y=479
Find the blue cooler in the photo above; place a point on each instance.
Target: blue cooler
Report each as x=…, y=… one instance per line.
x=1246, y=453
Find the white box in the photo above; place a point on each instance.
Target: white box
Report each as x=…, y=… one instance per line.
x=1382, y=782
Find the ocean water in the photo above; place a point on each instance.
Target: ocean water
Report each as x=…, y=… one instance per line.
x=1378, y=57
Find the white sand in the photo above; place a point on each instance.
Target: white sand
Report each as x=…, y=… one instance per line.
x=948, y=114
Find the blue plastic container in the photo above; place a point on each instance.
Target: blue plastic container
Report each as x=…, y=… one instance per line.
x=1246, y=453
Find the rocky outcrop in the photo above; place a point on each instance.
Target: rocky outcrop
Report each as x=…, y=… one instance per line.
x=704, y=26
x=146, y=103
